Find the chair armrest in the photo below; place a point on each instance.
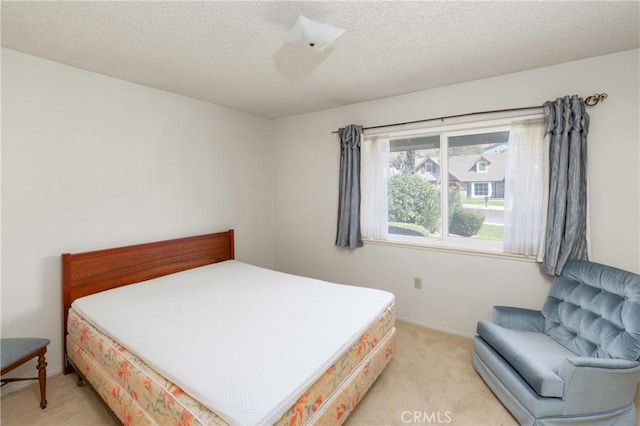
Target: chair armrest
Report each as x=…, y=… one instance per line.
x=518, y=318
x=598, y=384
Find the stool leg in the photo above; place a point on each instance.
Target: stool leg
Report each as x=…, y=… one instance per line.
x=42, y=378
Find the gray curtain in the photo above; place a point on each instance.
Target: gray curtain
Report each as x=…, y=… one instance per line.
x=348, y=233
x=567, y=124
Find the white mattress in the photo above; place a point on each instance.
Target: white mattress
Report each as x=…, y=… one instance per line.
x=244, y=341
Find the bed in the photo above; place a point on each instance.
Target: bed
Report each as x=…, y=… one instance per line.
x=179, y=332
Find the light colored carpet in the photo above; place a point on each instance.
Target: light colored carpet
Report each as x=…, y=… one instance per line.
x=431, y=378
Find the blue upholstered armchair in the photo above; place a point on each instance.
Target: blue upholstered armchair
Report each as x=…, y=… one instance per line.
x=575, y=362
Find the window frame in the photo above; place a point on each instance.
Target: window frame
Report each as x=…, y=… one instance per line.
x=474, y=194
x=428, y=167
x=451, y=242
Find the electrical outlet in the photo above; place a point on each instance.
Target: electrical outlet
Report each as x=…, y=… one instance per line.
x=417, y=283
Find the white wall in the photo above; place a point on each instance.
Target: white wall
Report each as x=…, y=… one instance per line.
x=459, y=289
x=91, y=162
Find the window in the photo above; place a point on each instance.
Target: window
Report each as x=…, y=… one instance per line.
x=480, y=189
x=447, y=204
x=429, y=167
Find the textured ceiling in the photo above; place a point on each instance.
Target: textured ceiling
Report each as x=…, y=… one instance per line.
x=232, y=53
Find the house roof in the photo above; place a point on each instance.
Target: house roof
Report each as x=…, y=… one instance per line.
x=463, y=167
x=495, y=146
x=231, y=53
x=430, y=176
x=434, y=160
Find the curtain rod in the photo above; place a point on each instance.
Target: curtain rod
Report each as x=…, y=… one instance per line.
x=589, y=101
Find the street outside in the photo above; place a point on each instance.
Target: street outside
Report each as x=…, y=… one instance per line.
x=493, y=215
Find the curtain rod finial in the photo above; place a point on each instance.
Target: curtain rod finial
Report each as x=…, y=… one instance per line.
x=595, y=99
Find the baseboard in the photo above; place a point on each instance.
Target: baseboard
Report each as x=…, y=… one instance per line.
x=14, y=386
x=433, y=327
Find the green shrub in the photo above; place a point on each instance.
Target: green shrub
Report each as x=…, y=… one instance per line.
x=412, y=229
x=454, y=200
x=465, y=222
x=412, y=199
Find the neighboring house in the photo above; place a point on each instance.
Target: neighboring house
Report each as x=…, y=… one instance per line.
x=496, y=148
x=480, y=175
x=429, y=168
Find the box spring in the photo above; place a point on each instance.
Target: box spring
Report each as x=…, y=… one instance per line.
x=139, y=395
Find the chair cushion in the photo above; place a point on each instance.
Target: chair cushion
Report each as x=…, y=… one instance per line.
x=535, y=356
x=594, y=310
x=15, y=349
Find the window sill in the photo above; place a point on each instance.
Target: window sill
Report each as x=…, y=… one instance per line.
x=434, y=246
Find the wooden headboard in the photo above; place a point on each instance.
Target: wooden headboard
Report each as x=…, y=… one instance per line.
x=91, y=272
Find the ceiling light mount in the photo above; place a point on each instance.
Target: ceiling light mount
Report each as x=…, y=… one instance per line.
x=309, y=33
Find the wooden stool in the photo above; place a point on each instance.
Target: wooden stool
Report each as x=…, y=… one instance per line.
x=16, y=351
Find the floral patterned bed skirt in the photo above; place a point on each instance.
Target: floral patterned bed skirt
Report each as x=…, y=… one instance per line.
x=138, y=395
